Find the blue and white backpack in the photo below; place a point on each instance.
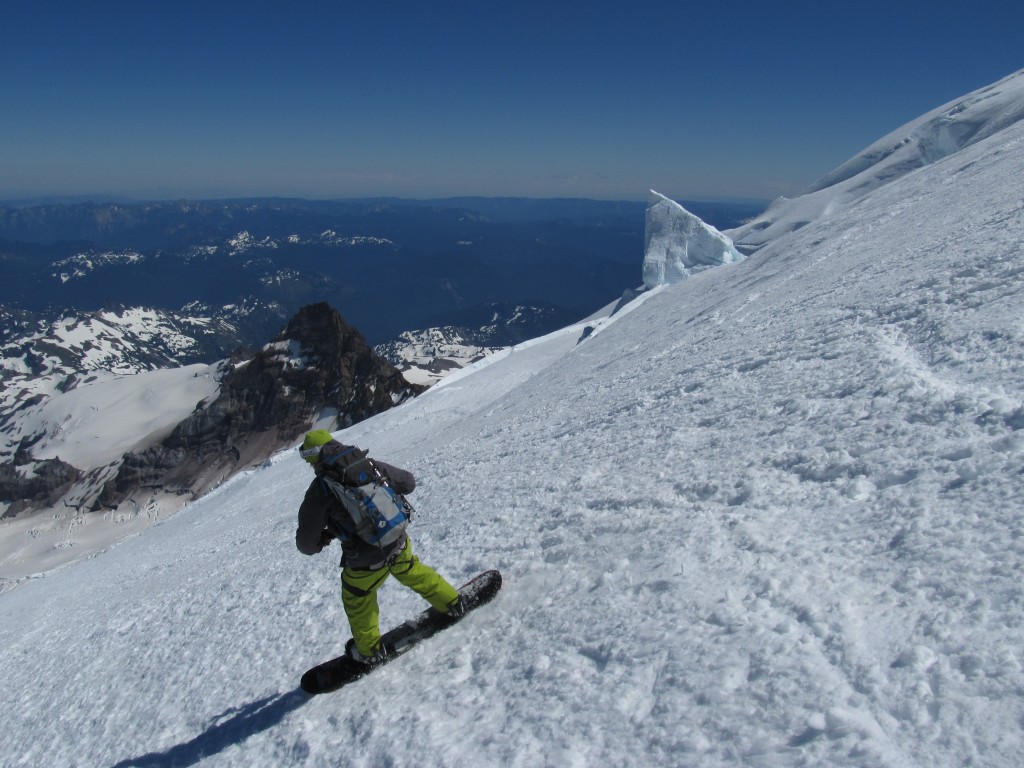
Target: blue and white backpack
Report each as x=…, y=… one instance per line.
x=374, y=511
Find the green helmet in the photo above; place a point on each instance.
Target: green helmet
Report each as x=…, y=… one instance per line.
x=315, y=440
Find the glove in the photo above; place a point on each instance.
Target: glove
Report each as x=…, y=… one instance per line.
x=326, y=537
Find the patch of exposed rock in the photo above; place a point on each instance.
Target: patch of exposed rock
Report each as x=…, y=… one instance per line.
x=30, y=483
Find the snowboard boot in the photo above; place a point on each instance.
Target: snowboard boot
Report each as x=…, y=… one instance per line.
x=378, y=657
x=457, y=609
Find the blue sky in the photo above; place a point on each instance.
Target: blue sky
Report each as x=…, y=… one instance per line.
x=157, y=99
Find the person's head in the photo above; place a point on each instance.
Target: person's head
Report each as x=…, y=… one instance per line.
x=315, y=440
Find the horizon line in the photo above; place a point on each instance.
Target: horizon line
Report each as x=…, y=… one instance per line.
x=30, y=201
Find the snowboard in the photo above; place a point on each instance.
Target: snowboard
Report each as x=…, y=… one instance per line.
x=333, y=674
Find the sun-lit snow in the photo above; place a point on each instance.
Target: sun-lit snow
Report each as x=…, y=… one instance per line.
x=427, y=357
x=931, y=137
x=770, y=515
x=244, y=242
x=82, y=264
x=123, y=342
x=97, y=422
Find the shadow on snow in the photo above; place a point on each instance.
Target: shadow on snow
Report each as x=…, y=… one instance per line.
x=241, y=723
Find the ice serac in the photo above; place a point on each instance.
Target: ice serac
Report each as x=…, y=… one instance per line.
x=677, y=243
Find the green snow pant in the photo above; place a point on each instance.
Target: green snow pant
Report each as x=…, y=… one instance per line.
x=359, y=594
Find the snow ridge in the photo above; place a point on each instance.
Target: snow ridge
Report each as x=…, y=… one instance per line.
x=938, y=134
x=935, y=135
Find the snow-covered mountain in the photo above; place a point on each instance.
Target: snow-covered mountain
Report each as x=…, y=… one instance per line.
x=70, y=399
x=429, y=355
x=434, y=259
x=123, y=341
x=425, y=357
x=767, y=515
x=69, y=387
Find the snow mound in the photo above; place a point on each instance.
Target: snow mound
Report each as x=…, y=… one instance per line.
x=677, y=243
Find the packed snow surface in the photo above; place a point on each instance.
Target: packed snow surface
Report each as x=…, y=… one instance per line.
x=770, y=515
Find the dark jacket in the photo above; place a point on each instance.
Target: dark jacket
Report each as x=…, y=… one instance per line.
x=316, y=527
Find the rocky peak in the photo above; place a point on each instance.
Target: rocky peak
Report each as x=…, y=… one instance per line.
x=319, y=366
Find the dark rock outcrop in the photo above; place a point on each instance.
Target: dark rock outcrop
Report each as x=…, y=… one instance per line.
x=319, y=366
x=27, y=483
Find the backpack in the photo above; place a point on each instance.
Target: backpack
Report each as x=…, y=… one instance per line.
x=373, y=510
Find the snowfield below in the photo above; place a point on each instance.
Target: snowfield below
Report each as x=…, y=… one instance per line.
x=770, y=515
x=91, y=427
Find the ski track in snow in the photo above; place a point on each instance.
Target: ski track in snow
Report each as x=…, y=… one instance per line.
x=771, y=516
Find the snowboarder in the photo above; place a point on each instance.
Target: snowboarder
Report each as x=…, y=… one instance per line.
x=365, y=565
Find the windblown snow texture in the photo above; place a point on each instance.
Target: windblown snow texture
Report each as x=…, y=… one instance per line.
x=769, y=515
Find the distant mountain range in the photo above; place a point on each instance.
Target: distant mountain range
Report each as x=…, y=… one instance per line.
x=427, y=355
x=91, y=293
x=388, y=265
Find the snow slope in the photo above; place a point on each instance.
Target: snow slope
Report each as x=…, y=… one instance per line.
x=931, y=137
x=769, y=515
x=100, y=420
